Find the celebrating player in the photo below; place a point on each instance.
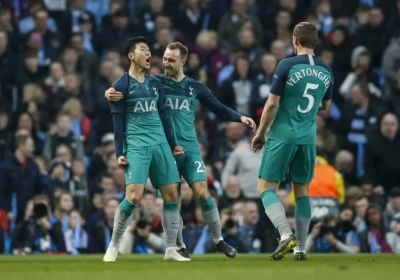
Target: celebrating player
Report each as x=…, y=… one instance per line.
x=142, y=134
x=302, y=85
x=183, y=94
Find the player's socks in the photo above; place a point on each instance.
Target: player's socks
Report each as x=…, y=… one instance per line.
x=123, y=218
x=170, y=223
x=179, y=239
x=302, y=216
x=276, y=212
x=211, y=218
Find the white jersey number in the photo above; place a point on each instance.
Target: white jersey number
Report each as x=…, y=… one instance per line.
x=309, y=97
x=201, y=168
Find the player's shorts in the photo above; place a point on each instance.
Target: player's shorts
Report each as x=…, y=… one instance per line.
x=155, y=161
x=191, y=167
x=279, y=158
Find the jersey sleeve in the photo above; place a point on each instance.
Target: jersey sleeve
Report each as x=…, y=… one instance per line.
x=279, y=78
x=208, y=99
x=163, y=117
x=329, y=91
x=118, y=114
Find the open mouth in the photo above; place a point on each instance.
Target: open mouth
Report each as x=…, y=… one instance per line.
x=148, y=60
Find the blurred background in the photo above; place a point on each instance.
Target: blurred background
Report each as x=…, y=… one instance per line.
x=59, y=180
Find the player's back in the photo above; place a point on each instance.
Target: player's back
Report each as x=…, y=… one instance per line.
x=306, y=83
x=180, y=105
x=143, y=125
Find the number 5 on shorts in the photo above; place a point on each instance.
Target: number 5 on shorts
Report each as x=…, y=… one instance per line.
x=309, y=97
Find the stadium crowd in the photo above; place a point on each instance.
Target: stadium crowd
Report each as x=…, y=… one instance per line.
x=60, y=184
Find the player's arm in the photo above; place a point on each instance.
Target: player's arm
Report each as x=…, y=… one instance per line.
x=278, y=85
x=208, y=99
x=326, y=101
x=118, y=115
x=164, y=119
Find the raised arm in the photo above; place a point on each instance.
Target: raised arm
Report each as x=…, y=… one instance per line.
x=163, y=116
x=208, y=99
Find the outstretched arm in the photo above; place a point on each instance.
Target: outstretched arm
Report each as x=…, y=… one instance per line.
x=164, y=119
x=208, y=99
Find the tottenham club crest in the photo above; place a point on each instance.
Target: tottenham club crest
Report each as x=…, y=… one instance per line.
x=191, y=91
x=155, y=91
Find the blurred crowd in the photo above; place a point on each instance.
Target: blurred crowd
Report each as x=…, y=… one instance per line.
x=60, y=184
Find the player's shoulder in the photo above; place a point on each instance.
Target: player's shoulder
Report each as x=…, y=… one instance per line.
x=121, y=82
x=194, y=83
x=321, y=63
x=153, y=79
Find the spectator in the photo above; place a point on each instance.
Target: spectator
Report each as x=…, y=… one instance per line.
x=8, y=69
x=375, y=35
x=262, y=85
x=393, y=236
x=232, y=192
x=65, y=136
x=27, y=24
x=44, y=234
x=359, y=119
x=361, y=205
x=19, y=179
x=249, y=46
x=373, y=239
x=236, y=92
x=102, y=232
x=230, y=25
x=326, y=189
x=330, y=235
x=383, y=168
x=240, y=163
x=76, y=237
x=234, y=133
x=393, y=206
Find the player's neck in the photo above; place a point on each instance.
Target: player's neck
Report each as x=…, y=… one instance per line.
x=301, y=51
x=178, y=77
x=137, y=73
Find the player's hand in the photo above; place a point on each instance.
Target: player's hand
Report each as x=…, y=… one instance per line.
x=249, y=122
x=258, y=142
x=122, y=161
x=112, y=95
x=178, y=152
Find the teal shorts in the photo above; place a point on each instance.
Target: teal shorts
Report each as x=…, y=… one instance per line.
x=156, y=162
x=191, y=167
x=279, y=158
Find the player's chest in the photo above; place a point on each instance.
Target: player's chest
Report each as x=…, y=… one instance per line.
x=181, y=98
x=142, y=98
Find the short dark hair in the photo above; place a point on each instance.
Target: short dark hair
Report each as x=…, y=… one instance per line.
x=179, y=46
x=131, y=43
x=307, y=34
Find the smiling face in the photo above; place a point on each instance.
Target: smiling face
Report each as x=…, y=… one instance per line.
x=172, y=62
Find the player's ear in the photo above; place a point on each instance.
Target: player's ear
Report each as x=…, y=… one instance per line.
x=131, y=56
x=183, y=62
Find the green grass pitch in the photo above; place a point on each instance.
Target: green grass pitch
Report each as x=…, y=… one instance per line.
x=205, y=267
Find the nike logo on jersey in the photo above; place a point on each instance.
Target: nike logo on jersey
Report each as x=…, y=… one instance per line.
x=132, y=92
